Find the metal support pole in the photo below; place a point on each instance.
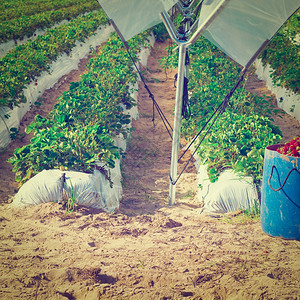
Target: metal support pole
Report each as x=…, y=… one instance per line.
x=182, y=72
x=177, y=122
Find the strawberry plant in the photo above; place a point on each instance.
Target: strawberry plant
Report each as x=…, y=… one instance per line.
x=291, y=148
x=238, y=139
x=78, y=133
x=59, y=144
x=238, y=142
x=282, y=54
x=16, y=9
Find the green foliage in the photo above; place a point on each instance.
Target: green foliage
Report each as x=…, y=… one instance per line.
x=79, y=131
x=238, y=142
x=59, y=144
x=238, y=138
x=253, y=212
x=21, y=65
x=71, y=201
x=282, y=54
x=160, y=32
x=21, y=19
x=171, y=60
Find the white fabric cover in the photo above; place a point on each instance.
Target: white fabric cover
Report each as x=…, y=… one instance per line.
x=229, y=193
x=239, y=30
x=135, y=16
x=286, y=99
x=244, y=25
x=91, y=190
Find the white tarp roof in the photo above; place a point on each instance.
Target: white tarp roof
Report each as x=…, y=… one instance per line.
x=244, y=25
x=239, y=30
x=135, y=16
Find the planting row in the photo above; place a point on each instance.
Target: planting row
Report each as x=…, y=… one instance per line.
x=16, y=9
x=239, y=136
x=79, y=132
x=282, y=54
x=18, y=22
x=23, y=64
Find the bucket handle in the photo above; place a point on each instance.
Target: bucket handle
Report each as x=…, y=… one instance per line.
x=276, y=190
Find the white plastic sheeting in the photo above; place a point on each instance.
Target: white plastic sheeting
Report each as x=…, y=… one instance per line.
x=135, y=16
x=286, y=99
x=229, y=193
x=240, y=29
x=9, y=45
x=243, y=26
x=91, y=190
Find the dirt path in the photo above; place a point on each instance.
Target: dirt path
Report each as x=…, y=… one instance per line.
x=146, y=250
x=147, y=164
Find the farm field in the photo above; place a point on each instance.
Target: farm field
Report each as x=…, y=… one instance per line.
x=21, y=19
x=146, y=249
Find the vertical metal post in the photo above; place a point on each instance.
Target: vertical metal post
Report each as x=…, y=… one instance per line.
x=177, y=122
x=182, y=72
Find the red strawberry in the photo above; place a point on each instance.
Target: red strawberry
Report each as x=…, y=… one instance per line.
x=291, y=148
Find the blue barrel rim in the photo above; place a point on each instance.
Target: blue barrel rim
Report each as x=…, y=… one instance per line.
x=280, y=211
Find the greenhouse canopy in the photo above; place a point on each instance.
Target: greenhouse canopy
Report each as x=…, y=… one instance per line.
x=243, y=26
x=240, y=28
x=135, y=16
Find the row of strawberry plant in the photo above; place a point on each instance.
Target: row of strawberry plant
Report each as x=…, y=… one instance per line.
x=21, y=65
x=16, y=9
x=282, y=54
x=79, y=131
x=239, y=136
x=26, y=25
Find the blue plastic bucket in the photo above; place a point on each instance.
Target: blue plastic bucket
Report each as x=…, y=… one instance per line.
x=280, y=195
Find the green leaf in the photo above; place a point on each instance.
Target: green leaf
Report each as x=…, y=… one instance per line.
x=30, y=127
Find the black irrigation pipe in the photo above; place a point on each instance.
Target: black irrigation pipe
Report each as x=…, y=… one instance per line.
x=155, y=104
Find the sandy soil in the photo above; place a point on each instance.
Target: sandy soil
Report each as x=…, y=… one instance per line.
x=146, y=250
